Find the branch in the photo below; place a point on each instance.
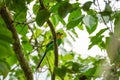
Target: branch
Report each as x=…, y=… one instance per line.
x=5, y=14
x=54, y=42
x=102, y=16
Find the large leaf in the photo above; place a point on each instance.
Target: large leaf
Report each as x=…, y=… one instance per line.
x=74, y=15
x=4, y=68
x=87, y=6
x=1, y=3
x=76, y=67
x=5, y=49
x=64, y=9
x=27, y=46
x=107, y=11
x=74, y=18
x=68, y=57
x=36, y=8
x=19, y=74
x=22, y=29
x=90, y=23
x=5, y=41
x=75, y=6
x=5, y=35
x=92, y=12
x=55, y=20
x=61, y=72
x=101, y=31
x=97, y=39
x=28, y=1
x=74, y=22
x=37, y=33
x=42, y=16
x=90, y=72
x=54, y=8
x=11, y=60
x=19, y=7
x=57, y=12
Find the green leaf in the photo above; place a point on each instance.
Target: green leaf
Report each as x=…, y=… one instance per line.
x=5, y=49
x=76, y=67
x=4, y=68
x=19, y=74
x=74, y=22
x=92, y=12
x=36, y=8
x=107, y=11
x=75, y=6
x=95, y=40
x=101, y=31
x=28, y=1
x=35, y=59
x=108, y=8
x=42, y=16
x=54, y=8
x=5, y=35
x=64, y=9
x=19, y=8
x=21, y=16
x=48, y=3
x=55, y=20
x=62, y=21
x=74, y=18
x=1, y=3
x=22, y=29
x=101, y=45
x=61, y=72
x=24, y=39
x=90, y=23
x=80, y=26
x=75, y=33
x=74, y=15
x=37, y=33
x=90, y=72
x=2, y=22
x=68, y=57
x=27, y=46
x=11, y=60
x=87, y=5
x=3, y=52
x=89, y=20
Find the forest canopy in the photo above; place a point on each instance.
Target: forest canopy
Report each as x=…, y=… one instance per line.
x=33, y=35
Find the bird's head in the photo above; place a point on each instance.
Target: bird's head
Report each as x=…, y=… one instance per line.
x=59, y=35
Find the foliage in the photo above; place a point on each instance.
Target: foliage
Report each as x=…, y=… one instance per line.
x=33, y=27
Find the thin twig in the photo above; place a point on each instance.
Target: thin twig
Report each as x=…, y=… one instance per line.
x=102, y=16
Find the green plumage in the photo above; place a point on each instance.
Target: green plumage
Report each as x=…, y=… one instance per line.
x=49, y=47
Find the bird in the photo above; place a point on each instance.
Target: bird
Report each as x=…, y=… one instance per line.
x=49, y=47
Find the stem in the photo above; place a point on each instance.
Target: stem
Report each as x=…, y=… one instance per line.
x=55, y=48
x=5, y=14
x=54, y=42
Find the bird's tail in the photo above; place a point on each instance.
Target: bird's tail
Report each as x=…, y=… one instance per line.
x=41, y=60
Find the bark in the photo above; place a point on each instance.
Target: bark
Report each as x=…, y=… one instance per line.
x=5, y=14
